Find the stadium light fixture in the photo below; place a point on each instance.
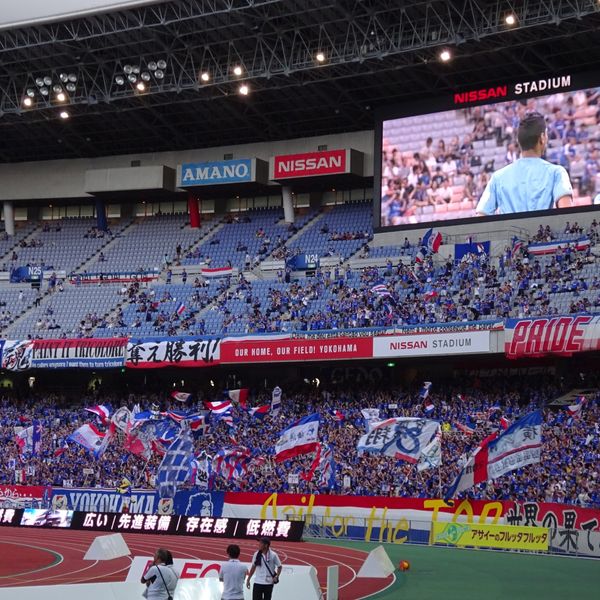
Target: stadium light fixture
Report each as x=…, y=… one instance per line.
x=445, y=55
x=152, y=66
x=141, y=86
x=64, y=114
x=56, y=88
x=39, y=82
x=63, y=77
x=145, y=76
x=47, y=80
x=70, y=87
x=61, y=96
x=30, y=92
x=510, y=19
x=120, y=80
x=205, y=77
x=320, y=57
x=44, y=91
x=244, y=89
x=131, y=78
x=27, y=101
x=159, y=74
x=237, y=70
x=161, y=64
x=72, y=77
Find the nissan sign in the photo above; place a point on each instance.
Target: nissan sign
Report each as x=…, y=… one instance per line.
x=309, y=164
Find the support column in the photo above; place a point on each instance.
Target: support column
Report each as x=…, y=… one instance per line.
x=101, y=222
x=194, y=211
x=9, y=218
x=288, y=206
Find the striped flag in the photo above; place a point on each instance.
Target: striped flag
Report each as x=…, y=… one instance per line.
x=380, y=290
x=504, y=423
x=180, y=396
x=575, y=409
x=327, y=468
x=174, y=468
x=276, y=400
x=338, y=416
x=260, y=411
x=180, y=308
x=101, y=411
x=238, y=396
x=424, y=393
x=429, y=408
x=301, y=437
x=197, y=423
x=468, y=428
x=221, y=411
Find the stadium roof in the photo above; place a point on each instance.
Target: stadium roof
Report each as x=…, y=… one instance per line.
x=375, y=52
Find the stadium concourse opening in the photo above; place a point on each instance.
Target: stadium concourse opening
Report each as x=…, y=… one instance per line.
x=288, y=280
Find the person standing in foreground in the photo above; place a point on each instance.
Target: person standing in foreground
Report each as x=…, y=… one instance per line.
x=161, y=578
x=232, y=575
x=267, y=566
x=529, y=183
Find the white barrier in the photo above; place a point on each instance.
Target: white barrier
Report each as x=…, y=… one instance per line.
x=297, y=582
x=75, y=591
x=107, y=547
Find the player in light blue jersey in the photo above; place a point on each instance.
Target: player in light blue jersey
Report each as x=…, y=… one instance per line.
x=529, y=183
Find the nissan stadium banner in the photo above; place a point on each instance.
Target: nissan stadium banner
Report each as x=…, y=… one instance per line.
x=344, y=161
x=186, y=502
x=221, y=172
x=96, y=353
x=192, y=352
x=431, y=344
x=224, y=527
x=24, y=496
x=541, y=336
x=434, y=163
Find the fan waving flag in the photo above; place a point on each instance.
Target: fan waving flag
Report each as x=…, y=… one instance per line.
x=338, y=415
x=301, y=437
x=88, y=436
x=101, y=411
x=276, y=400
x=260, y=411
x=24, y=439
x=180, y=396
x=221, y=411
x=424, y=393
x=197, y=423
x=238, y=396
x=174, y=468
x=403, y=438
x=36, y=437
x=180, y=308
x=327, y=468
x=520, y=445
x=575, y=409
x=380, y=290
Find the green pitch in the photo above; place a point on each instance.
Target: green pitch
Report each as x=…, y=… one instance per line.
x=456, y=574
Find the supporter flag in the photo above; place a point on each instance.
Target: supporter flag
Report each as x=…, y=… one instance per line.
x=108, y=436
x=431, y=456
x=221, y=411
x=429, y=408
x=260, y=411
x=520, y=445
x=181, y=396
x=197, y=423
x=480, y=249
x=308, y=476
x=36, y=437
x=88, y=436
x=327, y=468
x=301, y=437
x=432, y=240
x=101, y=411
x=574, y=410
x=468, y=427
x=516, y=246
x=24, y=439
x=121, y=418
x=238, y=396
x=276, y=400
x=180, y=308
x=380, y=290
x=61, y=449
x=425, y=390
x=371, y=416
x=338, y=416
x=232, y=463
x=403, y=438
x=504, y=423
x=176, y=415
x=174, y=468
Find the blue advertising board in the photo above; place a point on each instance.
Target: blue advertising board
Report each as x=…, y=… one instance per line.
x=26, y=274
x=304, y=262
x=216, y=172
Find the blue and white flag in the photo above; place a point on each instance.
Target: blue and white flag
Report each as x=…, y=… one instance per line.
x=89, y=437
x=371, y=416
x=102, y=411
x=201, y=471
x=380, y=290
x=574, y=410
x=276, y=400
x=431, y=456
x=301, y=437
x=174, y=468
x=424, y=393
x=36, y=437
x=520, y=445
x=403, y=438
x=327, y=468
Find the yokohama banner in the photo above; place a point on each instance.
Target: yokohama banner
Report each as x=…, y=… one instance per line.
x=431, y=344
x=540, y=336
x=280, y=349
x=200, y=352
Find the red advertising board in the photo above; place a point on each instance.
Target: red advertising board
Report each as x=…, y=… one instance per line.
x=309, y=164
x=287, y=349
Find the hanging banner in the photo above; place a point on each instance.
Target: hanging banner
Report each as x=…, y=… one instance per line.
x=96, y=353
x=24, y=496
x=431, y=344
x=503, y=537
x=263, y=349
x=562, y=336
x=16, y=355
x=156, y=354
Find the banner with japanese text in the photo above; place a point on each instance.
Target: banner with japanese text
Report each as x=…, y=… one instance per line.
x=562, y=335
x=23, y=496
x=155, y=354
x=483, y=535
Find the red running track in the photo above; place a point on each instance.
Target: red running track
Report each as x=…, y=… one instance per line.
x=51, y=556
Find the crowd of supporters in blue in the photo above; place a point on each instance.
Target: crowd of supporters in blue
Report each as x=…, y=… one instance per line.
x=569, y=471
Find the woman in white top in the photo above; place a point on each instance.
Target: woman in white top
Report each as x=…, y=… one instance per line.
x=267, y=566
x=161, y=578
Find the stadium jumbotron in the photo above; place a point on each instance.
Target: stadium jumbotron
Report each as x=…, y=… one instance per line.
x=317, y=283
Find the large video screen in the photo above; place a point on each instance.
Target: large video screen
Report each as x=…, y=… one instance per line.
x=466, y=162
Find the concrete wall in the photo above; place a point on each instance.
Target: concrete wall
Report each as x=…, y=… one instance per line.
x=63, y=179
